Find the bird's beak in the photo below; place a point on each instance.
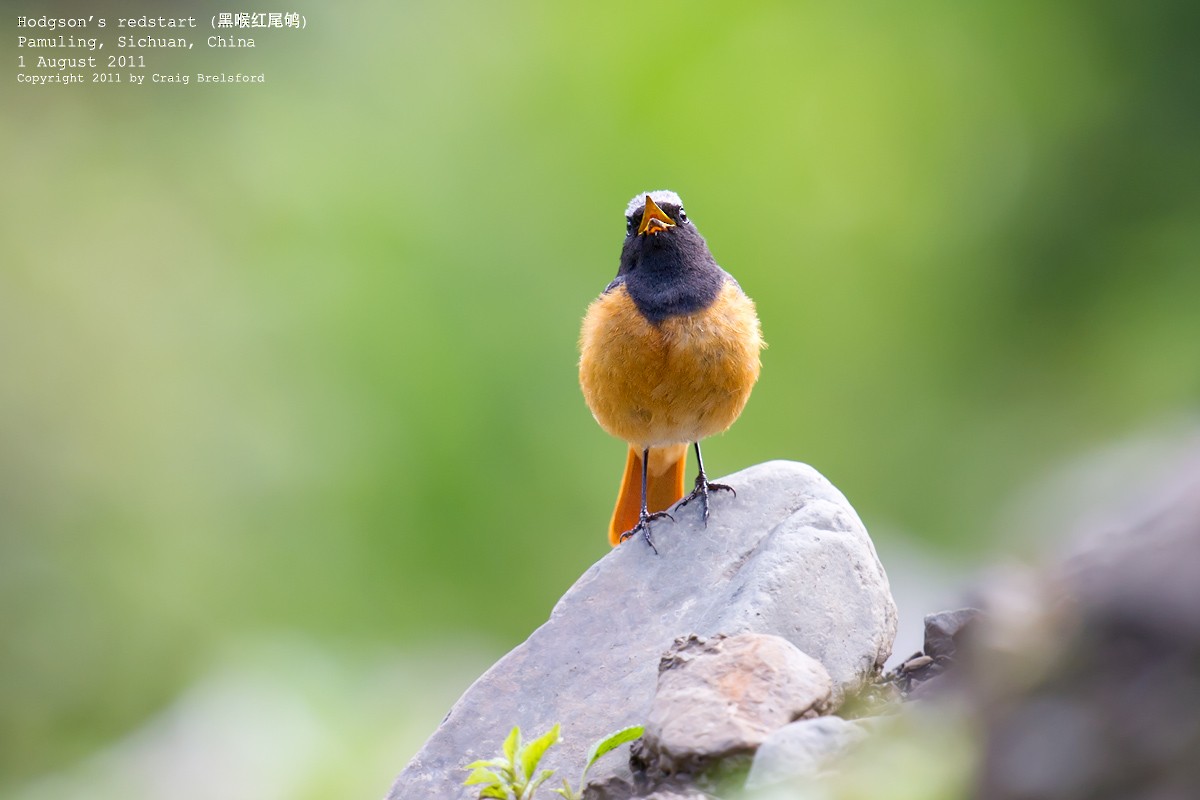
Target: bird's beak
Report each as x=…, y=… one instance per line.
x=653, y=219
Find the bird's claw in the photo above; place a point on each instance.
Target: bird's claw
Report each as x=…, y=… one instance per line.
x=643, y=527
x=703, y=487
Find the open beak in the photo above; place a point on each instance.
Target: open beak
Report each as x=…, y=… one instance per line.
x=653, y=219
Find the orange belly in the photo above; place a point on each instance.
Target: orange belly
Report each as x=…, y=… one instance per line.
x=680, y=381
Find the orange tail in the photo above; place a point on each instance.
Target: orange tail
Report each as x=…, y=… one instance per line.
x=664, y=487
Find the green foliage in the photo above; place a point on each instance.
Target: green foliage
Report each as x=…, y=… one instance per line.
x=511, y=775
x=599, y=749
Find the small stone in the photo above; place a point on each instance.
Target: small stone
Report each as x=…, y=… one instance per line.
x=944, y=629
x=802, y=749
x=724, y=695
x=914, y=664
x=612, y=787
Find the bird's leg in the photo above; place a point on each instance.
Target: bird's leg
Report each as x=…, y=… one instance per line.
x=644, y=517
x=703, y=487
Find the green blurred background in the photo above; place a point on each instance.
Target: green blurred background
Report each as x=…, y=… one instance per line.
x=291, y=443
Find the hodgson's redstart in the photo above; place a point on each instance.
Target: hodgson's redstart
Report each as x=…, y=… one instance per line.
x=669, y=354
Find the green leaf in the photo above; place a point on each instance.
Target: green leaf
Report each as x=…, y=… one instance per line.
x=607, y=745
x=532, y=753
x=541, y=778
x=566, y=791
x=498, y=793
x=482, y=775
x=512, y=744
x=491, y=762
x=612, y=742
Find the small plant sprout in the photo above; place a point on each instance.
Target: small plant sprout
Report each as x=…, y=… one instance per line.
x=600, y=748
x=510, y=776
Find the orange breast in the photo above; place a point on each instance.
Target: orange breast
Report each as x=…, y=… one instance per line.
x=681, y=381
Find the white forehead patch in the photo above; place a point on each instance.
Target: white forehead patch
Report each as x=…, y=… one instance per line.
x=659, y=196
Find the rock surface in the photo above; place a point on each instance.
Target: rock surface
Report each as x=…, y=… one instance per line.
x=787, y=556
x=802, y=749
x=722, y=696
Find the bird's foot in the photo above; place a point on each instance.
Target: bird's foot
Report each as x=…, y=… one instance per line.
x=703, y=487
x=643, y=527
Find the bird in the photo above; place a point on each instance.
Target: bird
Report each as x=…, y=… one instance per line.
x=669, y=353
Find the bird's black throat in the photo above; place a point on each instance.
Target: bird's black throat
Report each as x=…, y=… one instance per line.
x=670, y=273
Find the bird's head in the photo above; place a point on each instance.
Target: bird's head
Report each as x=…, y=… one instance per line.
x=652, y=213
x=660, y=237
x=665, y=263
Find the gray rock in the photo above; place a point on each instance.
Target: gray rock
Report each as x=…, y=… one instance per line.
x=1092, y=689
x=943, y=631
x=722, y=696
x=787, y=556
x=610, y=787
x=802, y=750
x=1083, y=678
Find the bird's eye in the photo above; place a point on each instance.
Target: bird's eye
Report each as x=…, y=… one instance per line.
x=628, y=225
x=682, y=216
